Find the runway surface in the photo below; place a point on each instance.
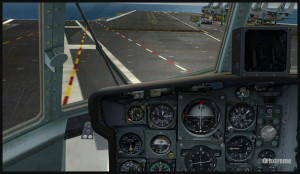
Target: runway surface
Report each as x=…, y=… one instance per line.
x=145, y=46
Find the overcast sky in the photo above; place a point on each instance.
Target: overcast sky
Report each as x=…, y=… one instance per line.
x=271, y=5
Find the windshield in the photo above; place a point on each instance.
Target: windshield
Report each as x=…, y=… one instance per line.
x=142, y=42
x=138, y=42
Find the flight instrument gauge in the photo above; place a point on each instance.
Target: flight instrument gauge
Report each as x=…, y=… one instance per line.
x=130, y=143
x=241, y=116
x=162, y=116
x=160, y=144
x=242, y=93
x=200, y=158
x=201, y=117
x=131, y=166
x=160, y=166
x=264, y=156
x=239, y=148
x=136, y=113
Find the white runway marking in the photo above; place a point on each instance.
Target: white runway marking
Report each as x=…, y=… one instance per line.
x=180, y=67
x=181, y=21
x=8, y=21
x=193, y=27
x=212, y=37
x=162, y=57
x=83, y=46
x=132, y=78
x=113, y=18
x=72, y=27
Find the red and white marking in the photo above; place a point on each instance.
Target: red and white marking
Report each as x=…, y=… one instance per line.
x=142, y=46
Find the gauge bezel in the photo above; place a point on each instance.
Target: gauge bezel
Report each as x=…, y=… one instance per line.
x=258, y=156
x=139, y=107
x=164, y=161
x=139, y=161
x=251, y=139
x=211, y=151
x=157, y=136
x=238, y=89
x=124, y=130
x=233, y=105
x=218, y=114
x=170, y=134
x=141, y=104
x=140, y=139
x=171, y=105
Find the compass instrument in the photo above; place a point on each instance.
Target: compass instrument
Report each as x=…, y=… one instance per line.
x=160, y=166
x=242, y=93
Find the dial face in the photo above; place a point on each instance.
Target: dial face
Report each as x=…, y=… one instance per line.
x=160, y=144
x=268, y=132
x=239, y=148
x=162, y=116
x=201, y=117
x=131, y=166
x=200, y=158
x=160, y=166
x=268, y=154
x=130, y=143
x=242, y=93
x=136, y=113
x=241, y=116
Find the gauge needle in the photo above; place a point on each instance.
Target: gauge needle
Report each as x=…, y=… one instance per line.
x=234, y=148
x=200, y=162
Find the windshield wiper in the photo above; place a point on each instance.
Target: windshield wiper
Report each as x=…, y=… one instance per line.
x=107, y=61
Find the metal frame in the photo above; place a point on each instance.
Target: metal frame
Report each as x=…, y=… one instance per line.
x=238, y=18
x=50, y=126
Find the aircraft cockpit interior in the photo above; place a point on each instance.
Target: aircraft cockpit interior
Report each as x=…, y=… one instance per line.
x=208, y=91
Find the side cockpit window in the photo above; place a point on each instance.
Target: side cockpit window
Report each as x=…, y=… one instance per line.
x=21, y=80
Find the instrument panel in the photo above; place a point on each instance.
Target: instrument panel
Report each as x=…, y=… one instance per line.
x=187, y=129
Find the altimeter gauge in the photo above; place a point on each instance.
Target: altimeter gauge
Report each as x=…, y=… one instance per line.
x=241, y=116
x=162, y=116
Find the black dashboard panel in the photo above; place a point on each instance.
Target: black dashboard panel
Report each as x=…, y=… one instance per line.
x=220, y=123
